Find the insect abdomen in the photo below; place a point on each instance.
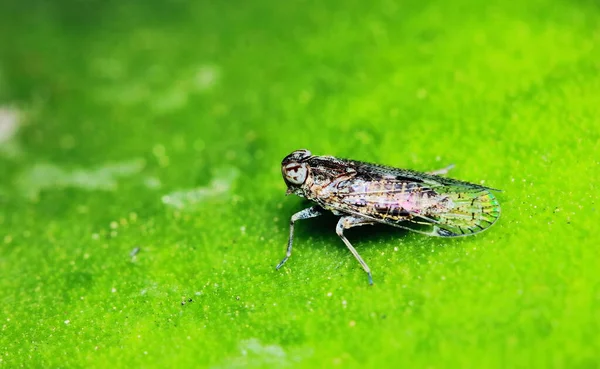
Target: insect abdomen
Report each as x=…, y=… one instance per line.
x=386, y=200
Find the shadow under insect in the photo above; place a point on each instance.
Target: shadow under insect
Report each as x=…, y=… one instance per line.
x=367, y=239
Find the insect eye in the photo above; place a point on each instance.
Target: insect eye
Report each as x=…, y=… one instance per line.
x=295, y=173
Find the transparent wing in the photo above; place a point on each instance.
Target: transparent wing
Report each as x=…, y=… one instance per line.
x=473, y=210
x=435, y=209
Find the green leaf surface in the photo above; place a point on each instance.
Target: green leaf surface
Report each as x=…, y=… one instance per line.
x=142, y=209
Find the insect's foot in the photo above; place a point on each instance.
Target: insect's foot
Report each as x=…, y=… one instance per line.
x=281, y=263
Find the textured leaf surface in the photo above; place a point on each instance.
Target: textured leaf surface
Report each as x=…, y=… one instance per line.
x=142, y=209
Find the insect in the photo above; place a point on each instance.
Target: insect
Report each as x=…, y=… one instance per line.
x=365, y=194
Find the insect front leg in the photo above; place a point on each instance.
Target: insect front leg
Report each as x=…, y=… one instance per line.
x=441, y=172
x=350, y=221
x=311, y=212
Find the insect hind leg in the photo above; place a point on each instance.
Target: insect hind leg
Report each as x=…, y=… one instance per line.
x=349, y=221
x=441, y=172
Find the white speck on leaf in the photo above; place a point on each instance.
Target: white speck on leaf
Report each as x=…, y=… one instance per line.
x=41, y=177
x=152, y=183
x=254, y=354
x=9, y=123
x=189, y=199
x=207, y=77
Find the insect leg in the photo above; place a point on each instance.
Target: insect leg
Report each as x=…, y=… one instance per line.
x=312, y=212
x=349, y=221
x=441, y=172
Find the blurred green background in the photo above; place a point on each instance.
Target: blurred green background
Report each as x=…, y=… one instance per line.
x=142, y=209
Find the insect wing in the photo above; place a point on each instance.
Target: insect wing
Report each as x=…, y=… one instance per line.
x=376, y=171
x=412, y=200
x=473, y=210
